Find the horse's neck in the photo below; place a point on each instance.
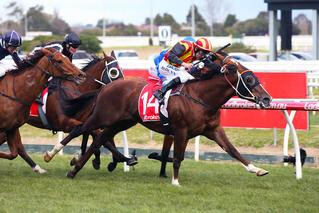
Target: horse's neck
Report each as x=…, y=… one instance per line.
x=29, y=83
x=216, y=91
x=90, y=84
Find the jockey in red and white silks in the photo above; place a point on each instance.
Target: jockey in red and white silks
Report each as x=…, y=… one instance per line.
x=177, y=61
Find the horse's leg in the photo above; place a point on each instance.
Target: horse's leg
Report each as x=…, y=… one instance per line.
x=3, y=138
x=96, y=144
x=97, y=153
x=221, y=139
x=168, y=141
x=179, y=149
x=76, y=131
x=16, y=148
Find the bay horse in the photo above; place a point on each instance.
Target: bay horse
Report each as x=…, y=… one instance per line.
x=19, y=88
x=194, y=112
x=99, y=71
x=69, y=105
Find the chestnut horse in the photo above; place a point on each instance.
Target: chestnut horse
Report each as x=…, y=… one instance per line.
x=19, y=88
x=99, y=71
x=194, y=112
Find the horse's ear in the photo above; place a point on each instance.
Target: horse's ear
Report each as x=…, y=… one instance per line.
x=104, y=55
x=45, y=51
x=113, y=54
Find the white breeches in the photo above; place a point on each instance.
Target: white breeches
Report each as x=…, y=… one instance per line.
x=168, y=72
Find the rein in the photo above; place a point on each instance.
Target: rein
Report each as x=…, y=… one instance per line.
x=35, y=66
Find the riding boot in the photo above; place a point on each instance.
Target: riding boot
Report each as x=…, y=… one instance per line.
x=159, y=94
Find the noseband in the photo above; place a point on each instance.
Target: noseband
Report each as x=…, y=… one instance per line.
x=224, y=70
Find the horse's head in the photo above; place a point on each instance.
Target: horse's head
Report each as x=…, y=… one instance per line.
x=112, y=70
x=61, y=67
x=242, y=80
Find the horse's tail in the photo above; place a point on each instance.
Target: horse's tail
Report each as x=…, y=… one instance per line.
x=71, y=106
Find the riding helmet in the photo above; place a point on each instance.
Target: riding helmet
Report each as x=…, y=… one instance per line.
x=204, y=44
x=72, y=39
x=12, y=38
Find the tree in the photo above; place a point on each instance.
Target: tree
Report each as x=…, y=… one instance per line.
x=303, y=23
x=90, y=43
x=37, y=20
x=59, y=26
x=169, y=20
x=213, y=10
x=201, y=26
x=230, y=20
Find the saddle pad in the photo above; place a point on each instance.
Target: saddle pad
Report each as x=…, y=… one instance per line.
x=34, y=107
x=148, y=106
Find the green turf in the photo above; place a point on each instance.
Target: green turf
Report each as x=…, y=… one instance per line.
x=206, y=187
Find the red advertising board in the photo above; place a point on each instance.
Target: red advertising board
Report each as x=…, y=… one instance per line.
x=292, y=85
x=279, y=85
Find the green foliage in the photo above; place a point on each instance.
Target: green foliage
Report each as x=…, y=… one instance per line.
x=39, y=40
x=93, y=32
x=206, y=187
x=201, y=26
x=230, y=20
x=239, y=47
x=167, y=19
x=90, y=43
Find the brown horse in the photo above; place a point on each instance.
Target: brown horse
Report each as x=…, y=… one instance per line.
x=19, y=88
x=194, y=112
x=69, y=105
x=99, y=71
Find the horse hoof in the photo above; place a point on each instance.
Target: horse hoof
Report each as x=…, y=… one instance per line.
x=132, y=161
x=163, y=176
x=38, y=169
x=111, y=166
x=96, y=164
x=262, y=173
x=154, y=155
x=46, y=157
x=73, y=161
x=70, y=175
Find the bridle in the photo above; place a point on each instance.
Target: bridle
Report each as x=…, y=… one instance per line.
x=53, y=62
x=224, y=70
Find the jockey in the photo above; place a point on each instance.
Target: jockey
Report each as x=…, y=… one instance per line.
x=10, y=42
x=67, y=47
x=177, y=62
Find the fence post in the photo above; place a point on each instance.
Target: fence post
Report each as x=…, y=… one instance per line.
x=125, y=150
x=196, y=154
x=60, y=138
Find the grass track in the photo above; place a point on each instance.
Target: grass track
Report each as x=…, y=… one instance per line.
x=206, y=187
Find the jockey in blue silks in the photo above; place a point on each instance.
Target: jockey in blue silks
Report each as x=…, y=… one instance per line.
x=10, y=42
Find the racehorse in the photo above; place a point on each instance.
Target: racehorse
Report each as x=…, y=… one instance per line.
x=194, y=112
x=19, y=88
x=69, y=105
x=99, y=71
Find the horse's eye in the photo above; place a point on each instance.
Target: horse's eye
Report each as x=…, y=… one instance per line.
x=59, y=61
x=250, y=80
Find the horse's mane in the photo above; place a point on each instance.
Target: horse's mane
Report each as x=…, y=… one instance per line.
x=30, y=62
x=71, y=106
x=91, y=63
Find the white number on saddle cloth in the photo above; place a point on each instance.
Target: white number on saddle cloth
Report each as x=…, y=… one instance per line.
x=148, y=107
x=149, y=102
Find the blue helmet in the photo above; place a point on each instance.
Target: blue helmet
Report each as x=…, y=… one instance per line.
x=72, y=39
x=189, y=38
x=12, y=38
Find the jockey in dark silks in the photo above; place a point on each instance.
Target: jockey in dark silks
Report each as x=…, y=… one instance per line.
x=177, y=62
x=10, y=42
x=67, y=47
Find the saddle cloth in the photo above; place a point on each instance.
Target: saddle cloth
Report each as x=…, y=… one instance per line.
x=148, y=106
x=34, y=110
